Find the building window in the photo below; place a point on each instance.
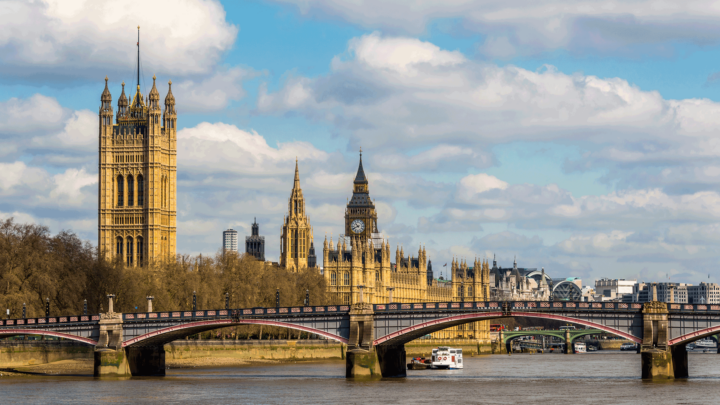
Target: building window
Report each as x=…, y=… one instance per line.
x=131, y=191
x=140, y=190
x=346, y=299
x=333, y=278
x=121, y=191
x=140, y=251
x=346, y=278
x=119, y=247
x=129, y=252
x=377, y=276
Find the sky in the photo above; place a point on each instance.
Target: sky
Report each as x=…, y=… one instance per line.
x=576, y=136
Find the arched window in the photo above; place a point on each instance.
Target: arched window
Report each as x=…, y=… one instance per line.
x=140, y=190
x=131, y=191
x=346, y=278
x=140, y=251
x=129, y=252
x=470, y=291
x=377, y=276
x=164, y=191
x=121, y=191
x=333, y=278
x=119, y=246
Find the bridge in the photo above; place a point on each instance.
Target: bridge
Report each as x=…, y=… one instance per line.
x=375, y=335
x=568, y=336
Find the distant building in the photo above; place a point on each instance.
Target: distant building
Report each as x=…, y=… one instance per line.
x=255, y=244
x=312, y=258
x=567, y=289
x=230, y=241
x=705, y=293
x=513, y=283
x=666, y=292
x=429, y=272
x=607, y=289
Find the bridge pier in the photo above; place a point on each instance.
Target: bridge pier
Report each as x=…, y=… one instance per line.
x=569, y=349
x=111, y=363
x=112, y=360
x=659, y=359
x=500, y=346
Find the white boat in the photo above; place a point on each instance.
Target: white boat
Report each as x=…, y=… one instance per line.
x=447, y=357
x=580, y=347
x=628, y=346
x=705, y=344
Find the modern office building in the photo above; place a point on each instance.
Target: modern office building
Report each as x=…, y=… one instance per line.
x=230, y=241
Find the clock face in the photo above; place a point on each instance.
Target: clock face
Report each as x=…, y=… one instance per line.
x=357, y=226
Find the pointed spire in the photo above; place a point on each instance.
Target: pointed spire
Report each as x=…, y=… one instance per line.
x=169, y=99
x=106, y=96
x=154, y=93
x=360, y=177
x=123, y=101
x=296, y=186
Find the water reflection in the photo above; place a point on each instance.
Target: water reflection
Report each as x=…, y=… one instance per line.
x=601, y=377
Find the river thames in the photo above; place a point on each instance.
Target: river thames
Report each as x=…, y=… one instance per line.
x=592, y=378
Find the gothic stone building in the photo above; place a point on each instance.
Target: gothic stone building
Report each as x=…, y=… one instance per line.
x=255, y=243
x=361, y=265
x=137, y=177
x=296, y=239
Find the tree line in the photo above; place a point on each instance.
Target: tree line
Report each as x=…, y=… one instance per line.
x=35, y=266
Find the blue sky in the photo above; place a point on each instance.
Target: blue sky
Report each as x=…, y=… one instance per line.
x=578, y=136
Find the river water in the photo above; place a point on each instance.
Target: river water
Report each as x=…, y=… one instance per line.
x=594, y=378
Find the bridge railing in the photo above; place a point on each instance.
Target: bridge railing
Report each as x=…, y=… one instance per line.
x=51, y=320
x=225, y=313
x=512, y=305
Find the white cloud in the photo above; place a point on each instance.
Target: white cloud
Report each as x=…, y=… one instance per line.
x=81, y=131
x=213, y=93
x=403, y=55
x=68, y=187
x=223, y=148
x=472, y=185
x=530, y=27
x=73, y=38
x=36, y=113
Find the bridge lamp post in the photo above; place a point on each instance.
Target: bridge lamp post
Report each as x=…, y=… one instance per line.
x=84, y=307
x=194, y=301
x=111, y=309
x=227, y=300
x=47, y=307
x=307, y=298
x=150, y=299
x=23, y=310
x=277, y=298
x=462, y=291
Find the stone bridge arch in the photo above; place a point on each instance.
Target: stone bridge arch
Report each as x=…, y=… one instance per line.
x=168, y=334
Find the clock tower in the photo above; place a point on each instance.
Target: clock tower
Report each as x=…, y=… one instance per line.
x=360, y=214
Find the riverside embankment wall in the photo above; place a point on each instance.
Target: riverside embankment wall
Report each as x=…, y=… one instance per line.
x=29, y=352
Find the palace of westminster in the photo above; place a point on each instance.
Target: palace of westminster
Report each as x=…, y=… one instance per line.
x=137, y=221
